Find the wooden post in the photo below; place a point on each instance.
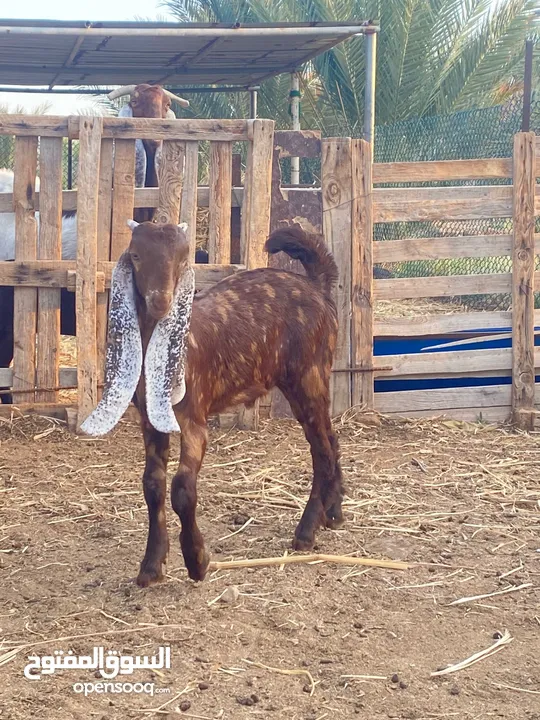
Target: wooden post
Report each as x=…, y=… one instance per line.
x=50, y=248
x=236, y=213
x=524, y=184
x=188, y=208
x=87, y=247
x=123, y=195
x=25, y=299
x=256, y=219
x=104, y=247
x=219, y=231
x=362, y=274
x=170, y=182
x=337, y=185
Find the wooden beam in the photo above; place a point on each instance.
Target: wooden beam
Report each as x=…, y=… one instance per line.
x=106, y=173
x=58, y=273
x=439, y=400
x=50, y=248
x=127, y=128
x=256, y=219
x=523, y=382
x=442, y=170
x=337, y=195
x=87, y=245
x=188, y=207
x=123, y=196
x=362, y=274
x=442, y=203
x=25, y=299
x=441, y=248
x=444, y=324
x=443, y=286
x=219, y=240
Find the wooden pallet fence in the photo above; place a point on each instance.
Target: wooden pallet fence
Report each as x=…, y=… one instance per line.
x=107, y=152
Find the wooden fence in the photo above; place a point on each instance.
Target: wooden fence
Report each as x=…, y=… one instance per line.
x=104, y=201
x=346, y=206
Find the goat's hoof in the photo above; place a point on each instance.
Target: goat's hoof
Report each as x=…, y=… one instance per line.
x=198, y=565
x=334, y=519
x=149, y=577
x=303, y=543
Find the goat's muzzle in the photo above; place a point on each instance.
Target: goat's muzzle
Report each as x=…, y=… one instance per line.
x=158, y=303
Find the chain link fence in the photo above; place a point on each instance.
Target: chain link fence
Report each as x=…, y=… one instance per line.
x=481, y=133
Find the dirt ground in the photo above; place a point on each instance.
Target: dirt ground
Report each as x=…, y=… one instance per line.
x=459, y=503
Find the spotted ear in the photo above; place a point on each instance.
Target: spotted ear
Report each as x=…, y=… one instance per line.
x=124, y=357
x=164, y=362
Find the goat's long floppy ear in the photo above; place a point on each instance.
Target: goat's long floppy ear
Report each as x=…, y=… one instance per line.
x=164, y=362
x=124, y=353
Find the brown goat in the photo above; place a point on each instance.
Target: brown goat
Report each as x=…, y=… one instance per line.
x=147, y=101
x=250, y=332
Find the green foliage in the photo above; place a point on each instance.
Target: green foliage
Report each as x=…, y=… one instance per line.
x=434, y=57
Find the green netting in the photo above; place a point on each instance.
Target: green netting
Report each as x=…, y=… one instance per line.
x=480, y=133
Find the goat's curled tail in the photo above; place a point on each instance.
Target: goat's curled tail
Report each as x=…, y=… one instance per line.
x=310, y=250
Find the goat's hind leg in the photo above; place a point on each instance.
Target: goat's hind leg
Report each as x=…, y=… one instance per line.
x=155, y=487
x=333, y=510
x=184, y=498
x=324, y=505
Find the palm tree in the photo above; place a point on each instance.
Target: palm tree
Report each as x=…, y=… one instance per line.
x=434, y=57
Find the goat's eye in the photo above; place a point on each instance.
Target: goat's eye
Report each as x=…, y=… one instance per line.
x=135, y=257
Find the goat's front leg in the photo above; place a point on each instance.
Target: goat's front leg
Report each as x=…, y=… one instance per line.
x=155, y=487
x=184, y=498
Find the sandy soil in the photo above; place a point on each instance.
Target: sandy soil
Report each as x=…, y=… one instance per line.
x=460, y=503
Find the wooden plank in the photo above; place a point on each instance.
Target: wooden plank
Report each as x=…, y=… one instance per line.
x=443, y=399
x=106, y=171
x=451, y=363
x=442, y=324
x=236, y=214
x=442, y=203
x=177, y=130
x=442, y=286
x=87, y=246
x=523, y=282
x=442, y=170
x=58, y=274
x=50, y=248
x=337, y=189
x=171, y=169
x=362, y=274
x=25, y=299
x=33, y=125
x=485, y=415
x=438, y=248
x=256, y=219
x=123, y=196
x=219, y=240
x=149, y=197
x=127, y=128
x=188, y=207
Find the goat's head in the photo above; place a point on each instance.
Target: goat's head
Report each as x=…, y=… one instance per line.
x=147, y=101
x=152, y=285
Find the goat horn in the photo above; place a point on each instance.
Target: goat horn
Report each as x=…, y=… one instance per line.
x=181, y=101
x=120, y=92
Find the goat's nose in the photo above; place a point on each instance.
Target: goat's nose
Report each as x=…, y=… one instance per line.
x=159, y=303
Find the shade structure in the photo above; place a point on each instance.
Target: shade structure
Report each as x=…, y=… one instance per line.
x=53, y=54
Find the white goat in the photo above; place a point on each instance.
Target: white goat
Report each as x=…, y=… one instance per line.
x=7, y=225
